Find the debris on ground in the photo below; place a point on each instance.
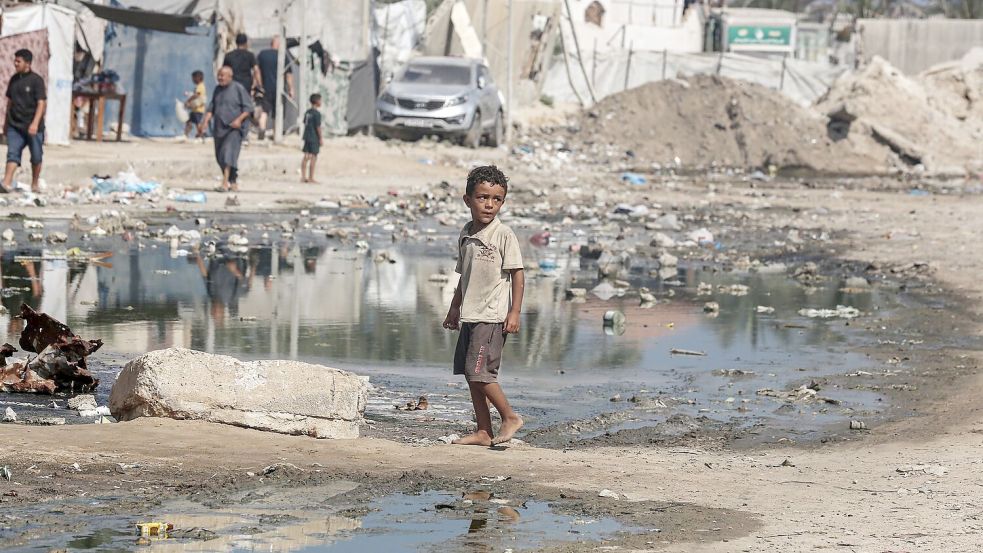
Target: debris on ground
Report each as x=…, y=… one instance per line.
x=609, y=494
x=677, y=351
x=841, y=311
x=60, y=365
x=932, y=470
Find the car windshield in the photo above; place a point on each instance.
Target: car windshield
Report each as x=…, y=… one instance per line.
x=437, y=74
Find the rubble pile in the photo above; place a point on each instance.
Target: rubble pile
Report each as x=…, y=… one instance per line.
x=933, y=121
x=711, y=122
x=60, y=365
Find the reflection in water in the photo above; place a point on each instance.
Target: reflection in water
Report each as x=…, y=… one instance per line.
x=340, y=307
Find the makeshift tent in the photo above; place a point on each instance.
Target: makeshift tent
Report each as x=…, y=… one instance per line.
x=155, y=68
x=59, y=23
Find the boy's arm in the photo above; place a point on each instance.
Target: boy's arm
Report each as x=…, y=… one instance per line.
x=518, y=286
x=453, y=319
x=320, y=139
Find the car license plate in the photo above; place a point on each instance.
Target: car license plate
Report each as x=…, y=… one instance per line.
x=420, y=123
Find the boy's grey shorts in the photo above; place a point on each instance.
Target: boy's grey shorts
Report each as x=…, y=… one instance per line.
x=479, y=351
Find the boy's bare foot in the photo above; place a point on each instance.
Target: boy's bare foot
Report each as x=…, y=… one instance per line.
x=508, y=429
x=478, y=438
x=312, y=181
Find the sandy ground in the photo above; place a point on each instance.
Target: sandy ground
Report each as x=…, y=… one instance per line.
x=840, y=497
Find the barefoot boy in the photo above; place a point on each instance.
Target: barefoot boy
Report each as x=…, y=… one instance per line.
x=490, y=265
x=196, y=102
x=312, y=139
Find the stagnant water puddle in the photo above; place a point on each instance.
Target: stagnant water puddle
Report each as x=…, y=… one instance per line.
x=430, y=521
x=378, y=312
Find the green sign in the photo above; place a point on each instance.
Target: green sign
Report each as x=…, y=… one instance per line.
x=759, y=35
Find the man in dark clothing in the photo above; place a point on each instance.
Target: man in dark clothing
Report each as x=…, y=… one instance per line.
x=245, y=71
x=230, y=107
x=24, y=123
x=268, y=69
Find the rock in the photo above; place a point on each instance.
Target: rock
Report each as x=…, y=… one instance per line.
x=289, y=397
x=711, y=307
x=57, y=237
x=9, y=415
x=8, y=235
x=82, y=402
x=701, y=236
x=858, y=425
x=660, y=240
x=668, y=260
x=449, y=439
x=608, y=493
x=856, y=282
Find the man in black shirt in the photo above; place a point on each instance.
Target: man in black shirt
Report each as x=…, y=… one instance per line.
x=245, y=71
x=268, y=65
x=24, y=121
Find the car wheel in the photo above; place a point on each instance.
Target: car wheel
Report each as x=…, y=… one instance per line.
x=472, y=139
x=497, y=136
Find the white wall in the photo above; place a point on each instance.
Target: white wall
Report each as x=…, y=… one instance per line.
x=652, y=25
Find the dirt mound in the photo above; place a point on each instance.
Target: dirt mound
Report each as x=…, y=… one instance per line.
x=934, y=119
x=708, y=121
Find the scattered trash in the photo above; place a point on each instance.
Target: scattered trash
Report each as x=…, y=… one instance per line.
x=608, y=493
x=420, y=404
x=858, y=425
x=154, y=528
x=711, y=307
x=764, y=309
x=5, y=472
x=614, y=323
x=677, y=351
x=449, y=439
x=841, y=311
x=125, y=181
x=9, y=415
x=192, y=198
x=701, y=236
x=61, y=361
x=933, y=470
x=633, y=178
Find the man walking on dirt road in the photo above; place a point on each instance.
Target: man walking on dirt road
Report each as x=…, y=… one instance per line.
x=24, y=121
x=230, y=108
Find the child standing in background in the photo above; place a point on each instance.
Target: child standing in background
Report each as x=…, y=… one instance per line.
x=196, y=102
x=312, y=139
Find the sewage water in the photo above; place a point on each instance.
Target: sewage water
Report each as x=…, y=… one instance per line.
x=428, y=521
x=316, y=300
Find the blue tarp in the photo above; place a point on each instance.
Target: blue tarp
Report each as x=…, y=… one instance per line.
x=155, y=70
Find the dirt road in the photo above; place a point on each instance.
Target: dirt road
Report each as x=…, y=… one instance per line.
x=910, y=485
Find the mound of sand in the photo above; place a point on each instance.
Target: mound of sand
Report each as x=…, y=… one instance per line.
x=934, y=119
x=709, y=121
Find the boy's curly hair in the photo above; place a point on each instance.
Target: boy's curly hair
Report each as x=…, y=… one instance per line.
x=486, y=173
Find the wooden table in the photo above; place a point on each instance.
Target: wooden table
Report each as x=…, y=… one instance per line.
x=96, y=117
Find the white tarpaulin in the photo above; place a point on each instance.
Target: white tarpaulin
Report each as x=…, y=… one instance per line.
x=802, y=81
x=60, y=23
x=398, y=30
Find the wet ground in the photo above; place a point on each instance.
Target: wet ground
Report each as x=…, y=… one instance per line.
x=373, y=305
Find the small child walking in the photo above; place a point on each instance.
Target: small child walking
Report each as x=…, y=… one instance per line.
x=487, y=302
x=196, y=102
x=312, y=139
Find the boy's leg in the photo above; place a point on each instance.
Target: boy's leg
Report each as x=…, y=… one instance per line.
x=483, y=435
x=303, y=168
x=311, y=168
x=511, y=422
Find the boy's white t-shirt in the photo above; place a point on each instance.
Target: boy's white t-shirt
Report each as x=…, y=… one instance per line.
x=484, y=261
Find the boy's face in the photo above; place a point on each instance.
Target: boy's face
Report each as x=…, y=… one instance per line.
x=485, y=202
x=316, y=103
x=197, y=79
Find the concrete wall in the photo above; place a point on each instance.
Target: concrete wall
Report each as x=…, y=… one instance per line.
x=652, y=25
x=914, y=45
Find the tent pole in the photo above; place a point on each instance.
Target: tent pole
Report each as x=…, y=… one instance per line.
x=281, y=58
x=509, y=104
x=300, y=79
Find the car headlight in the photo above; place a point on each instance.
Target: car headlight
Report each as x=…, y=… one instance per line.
x=456, y=101
x=388, y=98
